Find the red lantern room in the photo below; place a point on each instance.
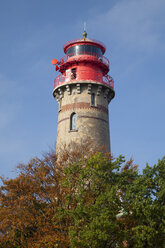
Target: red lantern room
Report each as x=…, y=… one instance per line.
x=84, y=60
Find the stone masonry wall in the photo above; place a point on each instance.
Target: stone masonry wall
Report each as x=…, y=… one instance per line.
x=92, y=121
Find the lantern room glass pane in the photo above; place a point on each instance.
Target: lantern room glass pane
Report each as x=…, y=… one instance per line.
x=84, y=49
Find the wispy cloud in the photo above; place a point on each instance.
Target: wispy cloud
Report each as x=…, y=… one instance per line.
x=137, y=24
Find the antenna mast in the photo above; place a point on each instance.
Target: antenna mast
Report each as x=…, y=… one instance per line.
x=84, y=26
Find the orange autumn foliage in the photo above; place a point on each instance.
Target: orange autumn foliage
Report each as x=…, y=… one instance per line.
x=29, y=203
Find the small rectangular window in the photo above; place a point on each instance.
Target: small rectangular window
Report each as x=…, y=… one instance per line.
x=73, y=73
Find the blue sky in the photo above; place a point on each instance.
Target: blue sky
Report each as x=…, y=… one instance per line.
x=32, y=33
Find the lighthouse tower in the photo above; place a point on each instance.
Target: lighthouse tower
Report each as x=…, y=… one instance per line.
x=83, y=91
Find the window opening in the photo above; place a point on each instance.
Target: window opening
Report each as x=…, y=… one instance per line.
x=73, y=121
x=93, y=99
x=60, y=104
x=73, y=73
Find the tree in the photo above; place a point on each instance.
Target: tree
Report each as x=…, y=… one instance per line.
x=84, y=198
x=28, y=204
x=144, y=200
x=93, y=187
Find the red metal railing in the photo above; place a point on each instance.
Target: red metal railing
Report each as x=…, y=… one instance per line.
x=106, y=80
x=94, y=57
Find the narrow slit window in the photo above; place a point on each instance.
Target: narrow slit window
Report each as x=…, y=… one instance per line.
x=73, y=121
x=60, y=104
x=93, y=99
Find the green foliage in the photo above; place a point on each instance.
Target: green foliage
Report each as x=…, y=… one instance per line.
x=83, y=199
x=146, y=198
x=93, y=186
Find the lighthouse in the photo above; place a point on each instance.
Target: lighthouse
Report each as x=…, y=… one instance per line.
x=83, y=91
